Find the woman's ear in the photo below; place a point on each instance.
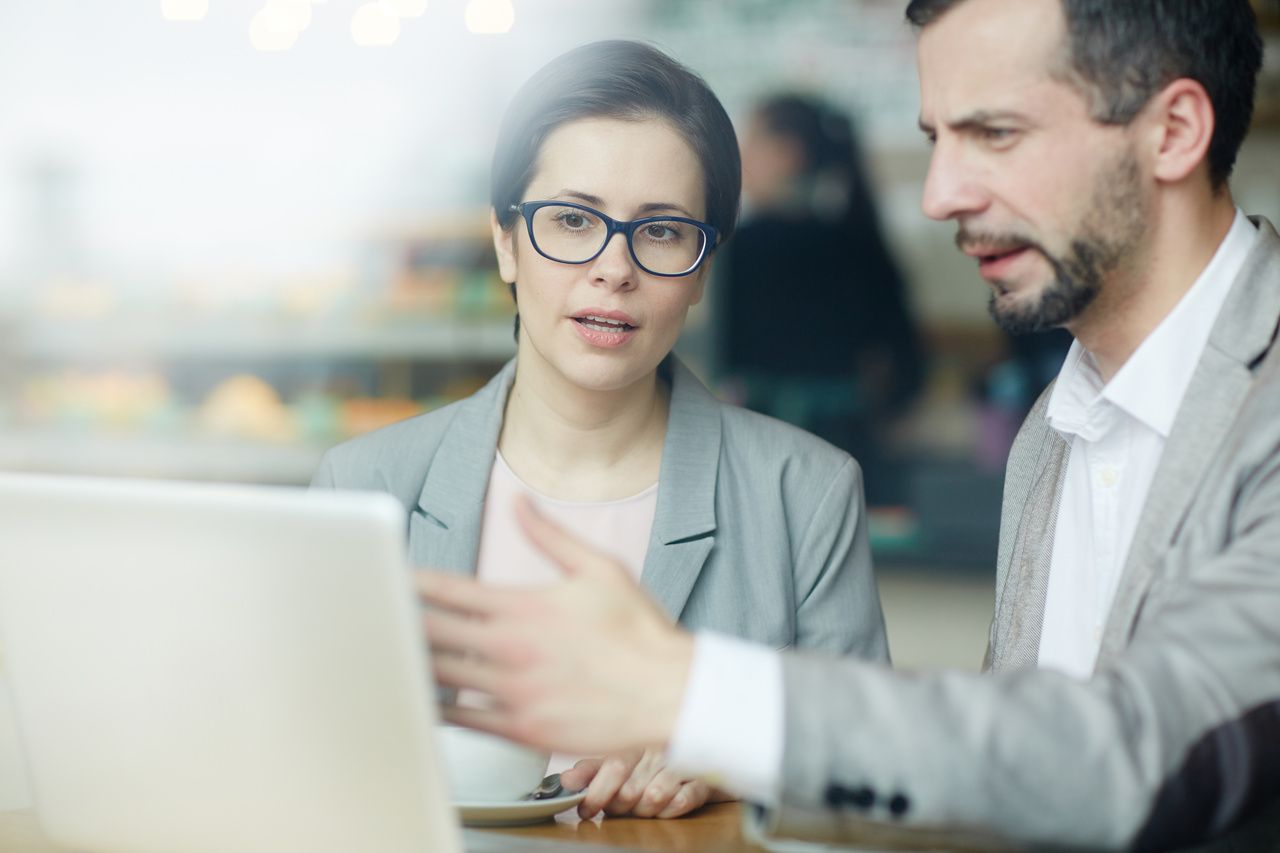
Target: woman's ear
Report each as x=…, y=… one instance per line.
x=504, y=247
x=1182, y=123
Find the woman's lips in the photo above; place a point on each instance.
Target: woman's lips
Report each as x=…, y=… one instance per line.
x=604, y=332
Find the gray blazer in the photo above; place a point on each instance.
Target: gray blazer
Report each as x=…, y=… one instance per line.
x=1175, y=740
x=759, y=530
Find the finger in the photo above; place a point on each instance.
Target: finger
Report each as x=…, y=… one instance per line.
x=692, y=795
x=561, y=547
x=580, y=775
x=496, y=642
x=463, y=594
x=657, y=794
x=451, y=632
x=465, y=672
x=613, y=772
x=649, y=766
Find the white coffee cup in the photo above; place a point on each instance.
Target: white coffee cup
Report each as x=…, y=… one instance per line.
x=484, y=768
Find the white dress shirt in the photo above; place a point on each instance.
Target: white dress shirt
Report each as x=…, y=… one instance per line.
x=730, y=730
x=1117, y=433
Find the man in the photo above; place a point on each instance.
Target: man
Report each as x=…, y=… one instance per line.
x=1083, y=149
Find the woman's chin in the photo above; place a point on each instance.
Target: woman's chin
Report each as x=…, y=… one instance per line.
x=606, y=376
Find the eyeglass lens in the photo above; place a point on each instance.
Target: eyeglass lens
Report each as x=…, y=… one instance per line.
x=573, y=235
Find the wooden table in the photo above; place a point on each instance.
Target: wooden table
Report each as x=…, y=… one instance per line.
x=713, y=829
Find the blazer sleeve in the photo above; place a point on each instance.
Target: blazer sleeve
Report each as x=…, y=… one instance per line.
x=1173, y=741
x=837, y=602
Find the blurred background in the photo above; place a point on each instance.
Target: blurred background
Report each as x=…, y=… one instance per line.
x=236, y=232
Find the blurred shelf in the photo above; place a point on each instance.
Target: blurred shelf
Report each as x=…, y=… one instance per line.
x=489, y=340
x=187, y=458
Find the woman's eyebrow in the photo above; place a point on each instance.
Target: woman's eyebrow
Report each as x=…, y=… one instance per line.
x=596, y=201
x=585, y=198
x=666, y=205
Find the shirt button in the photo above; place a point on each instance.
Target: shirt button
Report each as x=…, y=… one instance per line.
x=1097, y=635
x=1109, y=477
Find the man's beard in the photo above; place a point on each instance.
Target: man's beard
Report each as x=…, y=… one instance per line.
x=1111, y=229
x=1077, y=280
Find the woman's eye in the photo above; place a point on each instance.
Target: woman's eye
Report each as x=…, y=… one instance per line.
x=660, y=232
x=574, y=220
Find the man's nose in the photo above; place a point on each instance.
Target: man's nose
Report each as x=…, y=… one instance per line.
x=951, y=189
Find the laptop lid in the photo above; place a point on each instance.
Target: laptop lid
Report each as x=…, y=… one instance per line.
x=218, y=668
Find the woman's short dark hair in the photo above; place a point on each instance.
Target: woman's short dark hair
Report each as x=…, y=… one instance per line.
x=1124, y=53
x=622, y=80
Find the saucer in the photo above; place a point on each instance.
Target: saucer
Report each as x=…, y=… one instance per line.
x=517, y=813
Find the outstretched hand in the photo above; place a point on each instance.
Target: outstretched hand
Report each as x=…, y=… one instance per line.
x=587, y=665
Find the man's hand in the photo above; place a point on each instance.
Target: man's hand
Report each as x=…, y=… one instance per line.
x=634, y=783
x=588, y=665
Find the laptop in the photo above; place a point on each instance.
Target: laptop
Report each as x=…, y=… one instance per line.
x=209, y=669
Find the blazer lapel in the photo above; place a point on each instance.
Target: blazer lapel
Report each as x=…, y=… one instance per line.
x=684, y=522
x=1242, y=333
x=1015, y=642
x=444, y=530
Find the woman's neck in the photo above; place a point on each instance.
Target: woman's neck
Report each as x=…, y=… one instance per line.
x=577, y=444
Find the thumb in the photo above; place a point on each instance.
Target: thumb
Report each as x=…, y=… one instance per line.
x=563, y=548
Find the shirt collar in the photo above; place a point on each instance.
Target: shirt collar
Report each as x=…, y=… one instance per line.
x=1149, y=386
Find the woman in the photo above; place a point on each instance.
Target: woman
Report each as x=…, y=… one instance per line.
x=615, y=178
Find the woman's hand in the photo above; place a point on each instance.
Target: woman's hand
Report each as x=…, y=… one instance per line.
x=633, y=783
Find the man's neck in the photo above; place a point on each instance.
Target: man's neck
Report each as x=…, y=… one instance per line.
x=573, y=443
x=1183, y=240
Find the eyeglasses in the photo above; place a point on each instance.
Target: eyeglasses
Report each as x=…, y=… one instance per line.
x=576, y=234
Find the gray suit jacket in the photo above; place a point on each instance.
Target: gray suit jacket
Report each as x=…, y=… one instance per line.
x=759, y=530
x=1176, y=738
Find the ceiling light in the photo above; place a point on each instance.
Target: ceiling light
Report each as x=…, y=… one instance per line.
x=490, y=16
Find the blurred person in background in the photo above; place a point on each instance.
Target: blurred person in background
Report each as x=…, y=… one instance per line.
x=1084, y=149
x=813, y=319
x=615, y=179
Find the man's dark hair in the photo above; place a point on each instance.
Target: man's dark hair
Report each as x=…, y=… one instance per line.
x=1122, y=53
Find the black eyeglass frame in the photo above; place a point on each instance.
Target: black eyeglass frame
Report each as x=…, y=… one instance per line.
x=527, y=209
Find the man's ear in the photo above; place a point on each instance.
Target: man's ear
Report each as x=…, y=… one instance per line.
x=1182, y=122
x=504, y=246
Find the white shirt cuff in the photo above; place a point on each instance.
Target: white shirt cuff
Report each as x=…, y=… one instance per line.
x=730, y=729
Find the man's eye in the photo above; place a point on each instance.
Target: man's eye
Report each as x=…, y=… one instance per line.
x=998, y=134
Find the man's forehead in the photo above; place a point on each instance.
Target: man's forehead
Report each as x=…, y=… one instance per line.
x=986, y=54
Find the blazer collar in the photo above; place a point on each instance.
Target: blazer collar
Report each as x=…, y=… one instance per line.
x=1244, y=332
x=445, y=533
x=1246, y=327
x=1026, y=549
x=690, y=459
x=685, y=520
